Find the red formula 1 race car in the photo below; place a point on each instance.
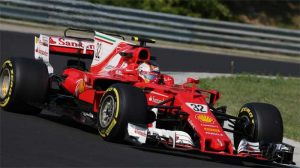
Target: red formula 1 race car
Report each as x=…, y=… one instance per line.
x=124, y=95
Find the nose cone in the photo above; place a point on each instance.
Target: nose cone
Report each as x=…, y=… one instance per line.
x=217, y=144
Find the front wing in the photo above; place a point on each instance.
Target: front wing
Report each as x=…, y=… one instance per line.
x=178, y=140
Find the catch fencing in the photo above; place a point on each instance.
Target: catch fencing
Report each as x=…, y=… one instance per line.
x=83, y=14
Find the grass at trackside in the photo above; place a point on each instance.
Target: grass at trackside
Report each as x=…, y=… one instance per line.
x=284, y=93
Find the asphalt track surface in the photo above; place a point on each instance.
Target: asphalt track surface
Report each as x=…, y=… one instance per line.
x=46, y=140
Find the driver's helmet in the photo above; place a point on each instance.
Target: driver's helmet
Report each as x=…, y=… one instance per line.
x=149, y=71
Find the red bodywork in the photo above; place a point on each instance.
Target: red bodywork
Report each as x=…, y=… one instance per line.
x=82, y=84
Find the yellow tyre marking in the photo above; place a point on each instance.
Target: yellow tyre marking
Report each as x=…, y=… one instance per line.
x=4, y=89
x=247, y=110
x=118, y=102
x=111, y=126
x=6, y=100
x=6, y=62
x=102, y=133
x=105, y=133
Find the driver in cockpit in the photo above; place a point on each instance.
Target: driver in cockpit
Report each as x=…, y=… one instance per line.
x=149, y=71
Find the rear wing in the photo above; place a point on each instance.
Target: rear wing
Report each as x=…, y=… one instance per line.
x=67, y=45
x=81, y=47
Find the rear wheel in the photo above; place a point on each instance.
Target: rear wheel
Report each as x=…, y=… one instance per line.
x=120, y=105
x=260, y=122
x=23, y=85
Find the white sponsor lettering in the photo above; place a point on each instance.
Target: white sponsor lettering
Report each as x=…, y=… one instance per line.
x=155, y=100
x=153, y=92
x=214, y=133
x=88, y=114
x=209, y=125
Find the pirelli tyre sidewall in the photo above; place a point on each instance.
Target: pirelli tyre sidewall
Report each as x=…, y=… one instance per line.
x=7, y=84
x=28, y=85
x=129, y=105
x=265, y=124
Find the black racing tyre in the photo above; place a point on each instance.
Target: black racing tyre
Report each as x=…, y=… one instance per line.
x=120, y=104
x=261, y=122
x=23, y=85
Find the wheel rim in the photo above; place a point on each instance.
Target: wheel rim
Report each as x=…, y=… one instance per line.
x=4, y=83
x=107, y=111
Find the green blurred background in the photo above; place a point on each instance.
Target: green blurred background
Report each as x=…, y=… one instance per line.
x=277, y=13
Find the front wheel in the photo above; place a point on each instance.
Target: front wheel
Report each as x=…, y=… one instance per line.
x=121, y=104
x=260, y=122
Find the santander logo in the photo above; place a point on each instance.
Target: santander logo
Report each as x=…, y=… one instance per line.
x=52, y=41
x=64, y=42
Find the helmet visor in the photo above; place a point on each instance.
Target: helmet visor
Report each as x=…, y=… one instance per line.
x=149, y=75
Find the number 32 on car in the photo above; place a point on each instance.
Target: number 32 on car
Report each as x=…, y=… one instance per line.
x=198, y=108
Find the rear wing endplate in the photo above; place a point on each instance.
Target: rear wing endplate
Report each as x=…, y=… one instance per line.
x=41, y=51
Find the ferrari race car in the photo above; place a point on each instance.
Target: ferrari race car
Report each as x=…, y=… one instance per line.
x=125, y=96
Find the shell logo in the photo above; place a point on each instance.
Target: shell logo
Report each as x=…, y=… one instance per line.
x=204, y=118
x=79, y=87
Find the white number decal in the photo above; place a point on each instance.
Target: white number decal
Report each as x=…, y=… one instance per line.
x=198, y=108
